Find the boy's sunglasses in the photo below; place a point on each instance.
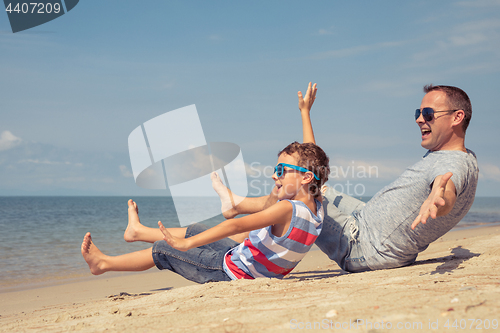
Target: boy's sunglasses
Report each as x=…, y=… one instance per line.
x=280, y=169
x=428, y=113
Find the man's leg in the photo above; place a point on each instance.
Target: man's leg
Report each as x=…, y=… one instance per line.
x=233, y=205
x=100, y=263
x=136, y=231
x=220, y=245
x=336, y=234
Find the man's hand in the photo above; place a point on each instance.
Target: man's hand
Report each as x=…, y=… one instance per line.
x=440, y=201
x=305, y=103
x=181, y=244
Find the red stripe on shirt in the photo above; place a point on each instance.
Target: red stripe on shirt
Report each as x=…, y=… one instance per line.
x=237, y=272
x=261, y=258
x=302, y=236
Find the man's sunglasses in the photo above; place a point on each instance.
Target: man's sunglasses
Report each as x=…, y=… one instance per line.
x=280, y=169
x=428, y=113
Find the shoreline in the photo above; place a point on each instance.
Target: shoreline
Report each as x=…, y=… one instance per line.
x=85, y=275
x=471, y=245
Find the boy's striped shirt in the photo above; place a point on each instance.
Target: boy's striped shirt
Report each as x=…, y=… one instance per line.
x=263, y=254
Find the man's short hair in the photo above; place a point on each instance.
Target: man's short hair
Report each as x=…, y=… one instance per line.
x=457, y=100
x=314, y=159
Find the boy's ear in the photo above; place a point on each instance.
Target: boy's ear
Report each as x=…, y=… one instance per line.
x=308, y=178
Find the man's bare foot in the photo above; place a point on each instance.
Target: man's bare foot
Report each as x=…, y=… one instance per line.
x=92, y=255
x=134, y=223
x=324, y=188
x=226, y=197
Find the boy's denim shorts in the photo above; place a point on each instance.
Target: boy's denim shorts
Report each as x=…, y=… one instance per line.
x=202, y=264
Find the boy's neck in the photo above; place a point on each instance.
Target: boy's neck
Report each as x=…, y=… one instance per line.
x=308, y=199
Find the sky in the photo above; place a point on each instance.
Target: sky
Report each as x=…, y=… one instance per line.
x=73, y=89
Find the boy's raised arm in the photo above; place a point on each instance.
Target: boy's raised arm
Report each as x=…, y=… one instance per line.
x=279, y=213
x=305, y=104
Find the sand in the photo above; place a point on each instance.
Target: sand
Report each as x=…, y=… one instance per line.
x=453, y=286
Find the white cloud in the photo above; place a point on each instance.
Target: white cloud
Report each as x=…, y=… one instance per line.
x=72, y=180
x=457, y=42
x=489, y=172
x=37, y=161
x=215, y=37
x=347, y=52
x=125, y=171
x=403, y=87
x=479, y=3
x=468, y=39
x=327, y=31
x=256, y=170
x=8, y=140
x=167, y=85
x=106, y=180
x=47, y=162
x=359, y=169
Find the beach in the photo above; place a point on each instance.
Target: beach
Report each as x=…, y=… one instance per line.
x=453, y=285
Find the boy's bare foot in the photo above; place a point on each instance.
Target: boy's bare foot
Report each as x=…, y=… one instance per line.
x=226, y=197
x=134, y=223
x=92, y=255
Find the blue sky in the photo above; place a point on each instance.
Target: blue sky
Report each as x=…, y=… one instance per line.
x=73, y=89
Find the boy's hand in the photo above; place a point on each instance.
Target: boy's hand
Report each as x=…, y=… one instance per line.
x=181, y=244
x=305, y=103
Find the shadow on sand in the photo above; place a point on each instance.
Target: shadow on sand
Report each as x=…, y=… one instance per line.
x=317, y=274
x=449, y=263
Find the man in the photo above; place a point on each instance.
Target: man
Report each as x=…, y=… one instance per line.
x=392, y=228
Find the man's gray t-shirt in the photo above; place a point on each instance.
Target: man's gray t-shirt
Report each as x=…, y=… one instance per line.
x=386, y=237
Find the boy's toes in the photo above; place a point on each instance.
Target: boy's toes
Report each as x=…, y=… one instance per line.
x=86, y=242
x=132, y=205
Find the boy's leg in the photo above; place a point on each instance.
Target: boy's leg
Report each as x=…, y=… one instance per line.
x=201, y=264
x=136, y=231
x=245, y=205
x=100, y=263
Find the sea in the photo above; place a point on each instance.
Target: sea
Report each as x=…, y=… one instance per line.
x=40, y=237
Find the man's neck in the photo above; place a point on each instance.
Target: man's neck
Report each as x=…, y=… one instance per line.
x=458, y=143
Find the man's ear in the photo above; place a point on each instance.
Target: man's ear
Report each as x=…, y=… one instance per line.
x=459, y=117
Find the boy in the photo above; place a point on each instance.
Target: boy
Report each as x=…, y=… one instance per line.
x=278, y=237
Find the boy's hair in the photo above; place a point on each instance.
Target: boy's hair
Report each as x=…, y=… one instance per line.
x=314, y=159
x=457, y=100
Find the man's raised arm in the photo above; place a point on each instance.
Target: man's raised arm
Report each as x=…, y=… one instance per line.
x=440, y=201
